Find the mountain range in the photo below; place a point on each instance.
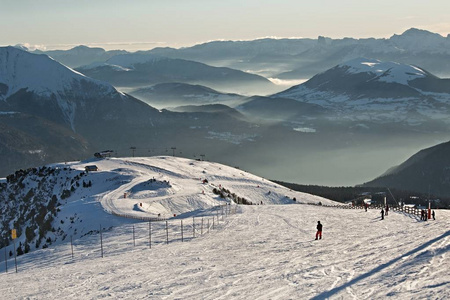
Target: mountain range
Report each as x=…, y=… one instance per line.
x=142, y=69
x=56, y=112
x=351, y=117
x=303, y=58
x=294, y=58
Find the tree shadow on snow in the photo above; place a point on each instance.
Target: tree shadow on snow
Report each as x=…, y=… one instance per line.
x=335, y=290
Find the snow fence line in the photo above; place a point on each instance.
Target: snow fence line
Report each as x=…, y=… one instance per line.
x=114, y=241
x=400, y=208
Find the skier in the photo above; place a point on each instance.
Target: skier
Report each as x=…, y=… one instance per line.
x=365, y=206
x=387, y=209
x=319, y=230
x=433, y=215
x=382, y=214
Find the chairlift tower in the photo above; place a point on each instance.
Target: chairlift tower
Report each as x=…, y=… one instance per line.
x=173, y=149
x=133, y=149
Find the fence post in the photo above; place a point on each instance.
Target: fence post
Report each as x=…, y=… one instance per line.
x=213, y=222
x=181, y=230
x=6, y=262
x=208, y=225
x=101, y=241
x=202, y=227
x=15, y=256
x=193, y=226
x=167, y=232
x=134, y=240
x=150, y=234
x=71, y=245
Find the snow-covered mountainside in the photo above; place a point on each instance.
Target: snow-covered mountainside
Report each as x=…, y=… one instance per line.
x=371, y=89
x=50, y=203
x=41, y=75
x=37, y=85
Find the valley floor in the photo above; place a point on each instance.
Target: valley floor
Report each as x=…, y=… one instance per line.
x=262, y=252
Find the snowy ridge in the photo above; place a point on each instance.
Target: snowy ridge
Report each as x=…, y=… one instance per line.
x=385, y=71
x=39, y=74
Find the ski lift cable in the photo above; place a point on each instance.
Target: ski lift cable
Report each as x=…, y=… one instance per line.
x=392, y=196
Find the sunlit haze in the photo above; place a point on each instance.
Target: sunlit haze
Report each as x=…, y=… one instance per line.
x=139, y=24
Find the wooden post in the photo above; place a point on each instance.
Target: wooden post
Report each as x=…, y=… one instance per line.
x=181, y=230
x=134, y=240
x=71, y=245
x=101, y=241
x=167, y=232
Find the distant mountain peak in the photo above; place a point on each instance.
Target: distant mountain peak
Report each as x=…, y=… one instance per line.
x=415, y=32
x=386, y=71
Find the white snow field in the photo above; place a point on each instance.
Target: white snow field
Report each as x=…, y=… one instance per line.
x=261, y=252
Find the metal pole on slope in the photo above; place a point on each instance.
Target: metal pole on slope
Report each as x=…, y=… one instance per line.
x=71, y=245
x=193, y=226
x=150, y=234
x=6, y=262
x=15, y=256
x=101, y=241
x=181, y=230
x=134, y=240
x=167, y=232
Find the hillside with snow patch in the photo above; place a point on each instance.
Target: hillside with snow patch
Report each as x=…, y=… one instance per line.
x=49, y=204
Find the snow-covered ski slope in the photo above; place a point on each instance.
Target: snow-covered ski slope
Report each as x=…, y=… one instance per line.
x=165, y=185
x=262, y=252
x=265, y=252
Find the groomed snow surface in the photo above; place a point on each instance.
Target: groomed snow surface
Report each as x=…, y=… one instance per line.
x=261, y=252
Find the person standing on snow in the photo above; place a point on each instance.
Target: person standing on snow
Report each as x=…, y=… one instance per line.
x=433, y=215
x=382, y=214
x=319, y=230
x=387, y=209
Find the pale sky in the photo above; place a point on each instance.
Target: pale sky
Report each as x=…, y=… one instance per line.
x=145, y=24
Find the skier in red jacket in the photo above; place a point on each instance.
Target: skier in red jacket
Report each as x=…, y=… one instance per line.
x=319, y=230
